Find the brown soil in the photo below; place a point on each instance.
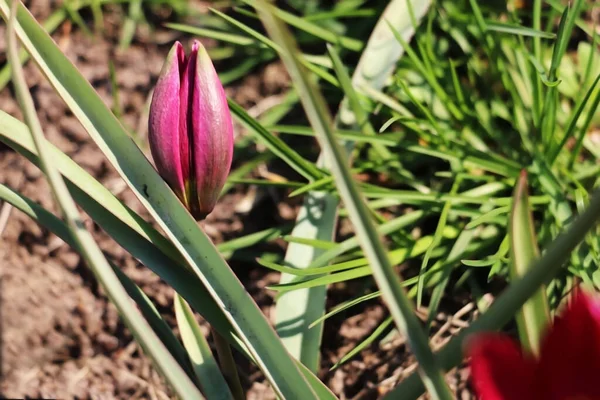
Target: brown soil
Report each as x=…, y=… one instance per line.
x=61, y=338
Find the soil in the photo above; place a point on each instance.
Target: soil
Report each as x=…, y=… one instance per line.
x=60, y=336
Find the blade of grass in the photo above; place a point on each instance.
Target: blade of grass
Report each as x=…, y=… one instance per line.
x=584, y=127
x=379, y=331
x=83, y=240
x=131, y=21
x=227, y=37
x=275, y=144
x=268, y=42
x=437, y=238
x=347, y=305
x=517, y=30
x=386, y=278
x=314, y=29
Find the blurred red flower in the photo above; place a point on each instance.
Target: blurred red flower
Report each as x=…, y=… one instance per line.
x=568, y=367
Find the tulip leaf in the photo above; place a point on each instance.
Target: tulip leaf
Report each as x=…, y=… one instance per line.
x=205, y=366
x=149, y=311
x=533, y=318
x=386, y=278
x=193, y=244
x=133, y=233
x=185, y=283
x=16, y=135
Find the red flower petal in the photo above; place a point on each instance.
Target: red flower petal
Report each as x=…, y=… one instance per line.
x=499, y=370
x=570, y=354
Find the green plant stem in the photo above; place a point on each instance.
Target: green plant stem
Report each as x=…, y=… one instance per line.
x=228, y=366
x=506, y=306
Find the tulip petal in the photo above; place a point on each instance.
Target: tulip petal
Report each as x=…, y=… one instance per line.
x=213, y=134
x=499, y=370
x=163, y=122
x=570, y=354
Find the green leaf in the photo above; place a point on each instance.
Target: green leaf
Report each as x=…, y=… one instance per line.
x=239, y=40
x=205, y=366
x=131, y=21
x=517, y=30
x=379, y=331
x=386, y=278
x=88, y=191
x=314, y=29
x=275, y=144
x=269, y=43
x=347, y=305
x=534, y=317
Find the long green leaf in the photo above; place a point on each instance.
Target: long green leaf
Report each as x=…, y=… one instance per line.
x=205, y=366
x=155, y=195
x=534, y=316
x=317, y=218
x=276, y=145
x=149, y=311
x=316, y=30
x=380, y=330
x=385, y=276
x=133, y=233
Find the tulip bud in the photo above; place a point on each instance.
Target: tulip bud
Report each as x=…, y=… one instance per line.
x=190, y=129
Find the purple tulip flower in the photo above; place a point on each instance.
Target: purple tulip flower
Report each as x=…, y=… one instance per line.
x=190, y=129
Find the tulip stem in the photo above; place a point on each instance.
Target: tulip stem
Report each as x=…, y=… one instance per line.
x=228, y=366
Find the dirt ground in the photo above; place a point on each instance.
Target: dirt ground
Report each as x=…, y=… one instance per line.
x=61, y=338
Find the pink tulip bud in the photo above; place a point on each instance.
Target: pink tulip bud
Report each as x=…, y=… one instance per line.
x=190, y=129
